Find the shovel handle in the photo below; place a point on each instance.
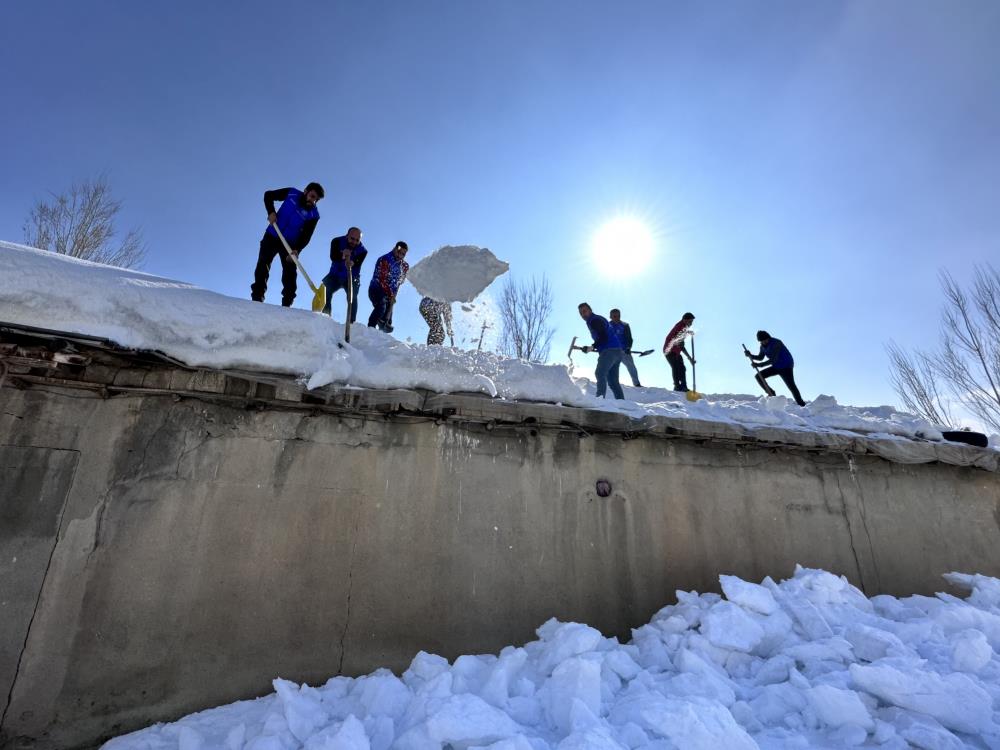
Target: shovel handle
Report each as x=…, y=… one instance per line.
x=350, y=306
x=295, y=258
x=694, y=368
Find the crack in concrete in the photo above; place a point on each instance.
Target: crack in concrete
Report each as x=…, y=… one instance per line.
x=199, y=443
x=850, y=535
x=38, y=600
x=850, y=531
x=863, y=512
x=98, y=526
x=350, y=590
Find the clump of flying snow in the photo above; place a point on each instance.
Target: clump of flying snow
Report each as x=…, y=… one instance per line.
x=456, y=273
x=806, y=663
x=206, y=329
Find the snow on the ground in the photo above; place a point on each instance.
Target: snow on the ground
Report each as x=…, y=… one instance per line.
x=203, y=328
x=456, y=273
x=807, y=663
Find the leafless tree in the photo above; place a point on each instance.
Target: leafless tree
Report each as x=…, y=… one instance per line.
x=525, y=310
x=81, y=223
x=914, y=379
x=967, y=360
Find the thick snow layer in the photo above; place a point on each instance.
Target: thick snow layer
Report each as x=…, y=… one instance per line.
x=456, y=273
x=856, y=672
x=203, y=328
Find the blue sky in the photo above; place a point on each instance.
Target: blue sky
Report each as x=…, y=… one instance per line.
x=807, y=167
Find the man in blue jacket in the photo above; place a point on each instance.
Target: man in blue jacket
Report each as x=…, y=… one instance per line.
x=388, y=277
x=296, y=218
x=346, y=256
x=777, y=361
x=609, y=351
x=624, y=333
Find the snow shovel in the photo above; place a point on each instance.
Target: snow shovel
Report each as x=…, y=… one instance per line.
x=573, y=346
x=350, y=304
x=319, y=294
x=757, y=376
x=693, y=394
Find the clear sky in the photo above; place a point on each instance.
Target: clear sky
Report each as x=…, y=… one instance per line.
x=806, y=167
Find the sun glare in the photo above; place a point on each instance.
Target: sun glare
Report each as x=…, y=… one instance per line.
x=623, y=246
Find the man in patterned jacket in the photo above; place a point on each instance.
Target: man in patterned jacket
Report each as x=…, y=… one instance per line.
x=390, y=273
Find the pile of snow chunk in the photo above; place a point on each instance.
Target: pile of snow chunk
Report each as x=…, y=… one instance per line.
x=456, y=273
x=810, y=662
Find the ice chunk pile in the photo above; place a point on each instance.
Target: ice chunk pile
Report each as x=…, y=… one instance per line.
x=456, y=273
x=809, y=662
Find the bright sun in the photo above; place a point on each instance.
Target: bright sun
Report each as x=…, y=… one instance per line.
x=623, y=247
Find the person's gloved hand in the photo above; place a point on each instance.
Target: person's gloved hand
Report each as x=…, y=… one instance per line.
x=747, y=354
x=585, y=349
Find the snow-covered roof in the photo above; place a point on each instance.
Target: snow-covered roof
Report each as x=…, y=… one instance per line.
x=202, y=328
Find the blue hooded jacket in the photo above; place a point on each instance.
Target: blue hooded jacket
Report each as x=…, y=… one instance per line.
x=295, y=221
x=777, y=354
x=603, y=334
x=623, y=332
x=338, y=270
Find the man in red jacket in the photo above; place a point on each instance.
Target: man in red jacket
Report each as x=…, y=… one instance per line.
x=673, y=347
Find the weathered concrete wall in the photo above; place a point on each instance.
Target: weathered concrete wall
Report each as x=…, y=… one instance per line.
x=162, y=554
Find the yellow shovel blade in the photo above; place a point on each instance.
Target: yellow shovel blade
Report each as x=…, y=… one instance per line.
x=319, y=298
x=693, y=395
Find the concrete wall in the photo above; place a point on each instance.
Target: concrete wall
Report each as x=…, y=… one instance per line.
x=161, y=554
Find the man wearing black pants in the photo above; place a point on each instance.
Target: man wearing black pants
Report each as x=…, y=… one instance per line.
x=673, y=347
x=346, y=256
x=777, y=360
x=296, y=218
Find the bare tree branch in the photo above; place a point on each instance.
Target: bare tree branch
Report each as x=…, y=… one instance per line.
x=967, y=360
x=81, y=224
x=914, y=379
x=525, y=309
